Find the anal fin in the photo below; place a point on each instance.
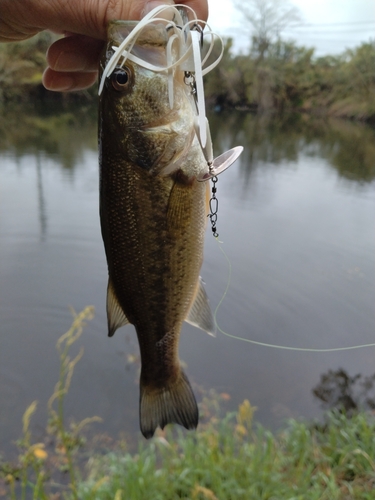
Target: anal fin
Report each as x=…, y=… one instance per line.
x=115, y=315
x=200, y=314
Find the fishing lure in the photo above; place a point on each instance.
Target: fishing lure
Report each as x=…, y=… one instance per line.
x=188, y=37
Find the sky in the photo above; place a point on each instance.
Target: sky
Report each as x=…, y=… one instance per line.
x=330, y=26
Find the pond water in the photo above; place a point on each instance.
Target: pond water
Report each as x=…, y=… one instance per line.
x=296, y=218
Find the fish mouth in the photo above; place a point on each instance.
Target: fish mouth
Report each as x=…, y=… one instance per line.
x=172, y=145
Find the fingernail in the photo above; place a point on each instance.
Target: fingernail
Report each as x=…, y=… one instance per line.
x=70, y=61
x=156, y=3
x=62, y=83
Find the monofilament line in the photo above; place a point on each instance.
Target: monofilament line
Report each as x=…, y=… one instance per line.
x=264, y=344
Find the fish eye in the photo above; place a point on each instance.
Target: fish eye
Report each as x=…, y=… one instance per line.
x=122, y=79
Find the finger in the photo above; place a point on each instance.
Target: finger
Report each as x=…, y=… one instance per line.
x=75, y=53
x=68, y=81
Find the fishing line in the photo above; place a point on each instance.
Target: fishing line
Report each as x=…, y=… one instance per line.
x=264, y=344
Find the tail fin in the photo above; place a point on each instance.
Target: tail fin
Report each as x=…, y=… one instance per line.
x=174, y=403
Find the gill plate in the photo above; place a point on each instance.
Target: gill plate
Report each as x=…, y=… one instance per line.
x=188, y=36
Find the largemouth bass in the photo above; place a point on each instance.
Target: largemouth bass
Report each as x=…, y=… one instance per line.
x=153, y=214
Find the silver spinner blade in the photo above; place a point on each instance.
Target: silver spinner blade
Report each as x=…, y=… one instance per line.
x=221, y=163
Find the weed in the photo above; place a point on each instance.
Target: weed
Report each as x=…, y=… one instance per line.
x=228, y=458
x=36, y=468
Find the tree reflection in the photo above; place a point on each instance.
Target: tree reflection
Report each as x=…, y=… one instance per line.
x=63, y=132
x=271, y=139
x=338, y=390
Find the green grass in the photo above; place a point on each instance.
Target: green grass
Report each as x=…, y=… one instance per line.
x=227, y=458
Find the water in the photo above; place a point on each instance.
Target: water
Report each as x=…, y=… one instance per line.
x=296, y=215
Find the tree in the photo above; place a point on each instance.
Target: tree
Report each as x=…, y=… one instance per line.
x=267, y=19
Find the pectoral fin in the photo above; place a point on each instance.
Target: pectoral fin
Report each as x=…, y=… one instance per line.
x=115, y=314
x=200, y=314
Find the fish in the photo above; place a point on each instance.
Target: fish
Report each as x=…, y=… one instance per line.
x=153, y=214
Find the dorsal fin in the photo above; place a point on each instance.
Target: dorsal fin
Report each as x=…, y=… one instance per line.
x=200, y=314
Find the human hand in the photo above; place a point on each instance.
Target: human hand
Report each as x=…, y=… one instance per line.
x=73, y=60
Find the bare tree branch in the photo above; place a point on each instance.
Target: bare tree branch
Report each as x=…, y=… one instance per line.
x=267, y=18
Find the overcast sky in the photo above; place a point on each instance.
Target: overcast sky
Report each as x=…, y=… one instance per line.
x=331, y=26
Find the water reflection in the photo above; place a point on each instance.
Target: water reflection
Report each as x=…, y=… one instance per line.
x=65, y=134
x=41, y=199
x=302, y=252
x=348, y=147
x=338, y=390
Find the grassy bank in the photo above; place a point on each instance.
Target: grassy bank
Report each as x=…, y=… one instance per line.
x=229, y=457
